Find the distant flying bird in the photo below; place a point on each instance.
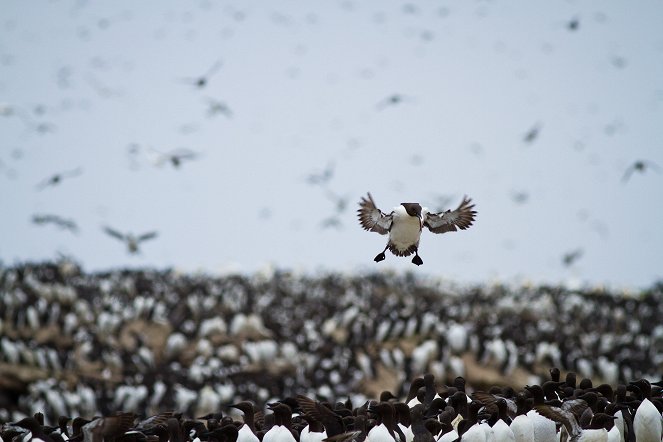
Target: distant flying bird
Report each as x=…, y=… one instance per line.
x=201, y=82
x=532, y=134
x=640, y=166
x=619, y=62
x=340, y=205
x=130, y=239
x=216, y=107
x=176, y=157
x=391, y=100
x=57, y=178
x=323, y=177
x=66, y=224
x=519, y=196
x=573, y=24
x=331, y=222
x=406, y=221
x=570, y=257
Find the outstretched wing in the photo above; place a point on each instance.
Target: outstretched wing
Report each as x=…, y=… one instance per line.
x=114, y=233
x=450, y=221
x=146, y=236
x=371, y=218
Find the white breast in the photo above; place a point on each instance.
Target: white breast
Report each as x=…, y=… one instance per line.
x=405, y=229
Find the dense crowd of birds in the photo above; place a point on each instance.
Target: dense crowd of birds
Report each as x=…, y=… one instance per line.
x=553, y=411
x=143, y=341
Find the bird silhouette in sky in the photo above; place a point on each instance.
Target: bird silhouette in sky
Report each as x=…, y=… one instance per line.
x=57, y=178
x=62, y=223
x=571, y=257
x=132, y=241
x=216, y=107
x=175, y=157
x=322, y=177
x=532, y=134
x=391, y=100
x=203, y=80
x=573, y=24
x=640, y=166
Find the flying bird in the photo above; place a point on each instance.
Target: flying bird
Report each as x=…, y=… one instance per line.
x=201, y=82
x=573, y=24
x=532, y=134
x=57, y=178
x=175, y=157
x=406, y=221
x=65, y=224
x=323, y=177
x=640, y=166
x=130, y=239
x=391, y=100
x=216, y=107
x=571, y=257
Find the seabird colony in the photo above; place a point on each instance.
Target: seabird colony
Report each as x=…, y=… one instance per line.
x=144, y=342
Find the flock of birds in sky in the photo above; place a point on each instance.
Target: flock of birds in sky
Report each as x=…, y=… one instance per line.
x=322, y=179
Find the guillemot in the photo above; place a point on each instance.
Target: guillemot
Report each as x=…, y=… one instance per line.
x=406, y=221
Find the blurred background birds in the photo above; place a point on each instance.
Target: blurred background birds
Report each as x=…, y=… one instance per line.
x=288, y=112
x=132, y=241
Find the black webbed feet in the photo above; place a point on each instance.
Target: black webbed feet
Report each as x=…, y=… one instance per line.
x=379, y=257
x=417, y=260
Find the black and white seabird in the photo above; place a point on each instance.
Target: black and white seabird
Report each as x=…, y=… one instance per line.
x=406, y=221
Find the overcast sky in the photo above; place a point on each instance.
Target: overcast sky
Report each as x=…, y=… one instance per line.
x=536, y=110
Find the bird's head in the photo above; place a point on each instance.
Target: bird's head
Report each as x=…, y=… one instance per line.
x=412, y=209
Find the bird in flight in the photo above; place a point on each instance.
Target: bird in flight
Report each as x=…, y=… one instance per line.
x=532, y=134
x=132, y=241
x=216, y=107
x=391, y=100
x=640, y=166
x=57, y=178
x=573, y=24
x=201, y=82
x=571, y=257
x=406, y=221
x=66, y=224
x=175, y=157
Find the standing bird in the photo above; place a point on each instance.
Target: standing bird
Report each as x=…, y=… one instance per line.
x=405, y=222
x=130, y=239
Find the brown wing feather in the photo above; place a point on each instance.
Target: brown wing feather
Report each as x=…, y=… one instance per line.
x=450, y=221
x=309, y=406
x=330, y=420
x=371, y=218
x=487, y=399
x=555, y=414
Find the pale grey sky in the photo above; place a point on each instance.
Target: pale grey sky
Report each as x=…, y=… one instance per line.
x=102, y=86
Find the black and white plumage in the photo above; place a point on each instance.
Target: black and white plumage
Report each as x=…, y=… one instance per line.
x=406, y=221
